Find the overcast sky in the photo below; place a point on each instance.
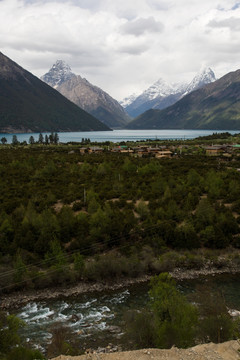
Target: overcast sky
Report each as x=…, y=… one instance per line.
x=123, y=46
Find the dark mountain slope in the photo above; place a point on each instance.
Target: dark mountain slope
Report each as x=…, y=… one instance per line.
x=27, y=104
x=215, y=106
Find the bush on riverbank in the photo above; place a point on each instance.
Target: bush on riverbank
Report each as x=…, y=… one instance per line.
x=113, y=265
x=11, y=345
x=169, y=319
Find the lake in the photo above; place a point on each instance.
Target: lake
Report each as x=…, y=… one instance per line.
x=122, y=135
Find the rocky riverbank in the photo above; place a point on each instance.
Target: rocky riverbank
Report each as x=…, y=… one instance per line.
x=225, y=351
x=21, y=298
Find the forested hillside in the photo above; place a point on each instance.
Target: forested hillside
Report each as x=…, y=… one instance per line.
x=59, y=207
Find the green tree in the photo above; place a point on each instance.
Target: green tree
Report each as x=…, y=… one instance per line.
x=40, y=138
x=204, y=214
x=11, y=347
x=66, y=220
x=6, y=233
x=20, y=269
x=51, y=138
x=55, y=138
x=46, y=139
x=48, y=230
x=78, y=263
x=56, y=256
x=3, y=140
x=31, y=140
x=214, y=184
x=15, y=140
x=142, y=209
x=175, y=317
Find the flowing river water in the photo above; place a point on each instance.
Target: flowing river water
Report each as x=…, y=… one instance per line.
x=97, y=319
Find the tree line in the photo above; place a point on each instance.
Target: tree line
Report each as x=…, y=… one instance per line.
x=52, y=138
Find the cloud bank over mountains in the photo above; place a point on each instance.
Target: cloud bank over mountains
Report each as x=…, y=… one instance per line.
x=123, y=47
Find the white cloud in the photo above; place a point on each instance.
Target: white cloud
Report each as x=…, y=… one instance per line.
x=142, y=25
x=122, y=47
x=232, y=23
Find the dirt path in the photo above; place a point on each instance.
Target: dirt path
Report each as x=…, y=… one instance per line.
x=225, y=351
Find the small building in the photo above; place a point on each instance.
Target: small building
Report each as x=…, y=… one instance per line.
x=163, y=154
x=94, y=149
x=214, y=150
x=83, y=150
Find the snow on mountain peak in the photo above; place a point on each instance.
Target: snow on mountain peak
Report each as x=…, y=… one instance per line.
x=59, y=73
x=161, y=88
x=204, y=77
x=128, y=100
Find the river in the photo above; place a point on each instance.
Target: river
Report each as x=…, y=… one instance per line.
x=122, y=135
x=97, y=318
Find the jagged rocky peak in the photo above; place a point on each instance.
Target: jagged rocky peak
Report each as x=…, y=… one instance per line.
x=159, y=88
x=162, y=89
x=204, y=77
x=59, y=73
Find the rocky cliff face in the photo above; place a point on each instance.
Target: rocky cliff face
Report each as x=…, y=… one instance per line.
x=87, y=96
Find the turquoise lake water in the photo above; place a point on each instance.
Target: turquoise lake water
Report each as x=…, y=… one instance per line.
x=122, y=135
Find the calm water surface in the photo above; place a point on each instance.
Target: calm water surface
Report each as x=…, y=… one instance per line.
x=123, y=135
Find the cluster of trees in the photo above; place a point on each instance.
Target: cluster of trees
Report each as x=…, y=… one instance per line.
x=100, y=202
x=58, y=207
x=53, y=138
x=171, y=320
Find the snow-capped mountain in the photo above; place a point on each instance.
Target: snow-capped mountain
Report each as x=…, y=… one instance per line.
x=213, y=106
x=161, y=89
x=59, y=73
x=128, y=100
x=162, y=94
x=204, y=77
x=86, y=95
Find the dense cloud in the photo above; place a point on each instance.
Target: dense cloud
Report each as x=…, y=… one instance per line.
x=232, y=23
x=122, y=47
x=141, y=26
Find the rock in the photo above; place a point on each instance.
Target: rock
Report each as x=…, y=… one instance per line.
x=114, y=329
x=74, y=318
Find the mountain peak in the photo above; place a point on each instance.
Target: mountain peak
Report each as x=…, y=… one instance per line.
x=159, y=89
x=29, y=105
x=59, y=73
x=214, y=106
x=204, y=76
x=85, y=95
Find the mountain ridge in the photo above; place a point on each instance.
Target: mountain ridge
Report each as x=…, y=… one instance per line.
x=162, y=94
x=89, y=97
x=214, y=106
x=29, y=105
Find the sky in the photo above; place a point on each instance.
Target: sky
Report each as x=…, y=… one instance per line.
x=123, y=46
